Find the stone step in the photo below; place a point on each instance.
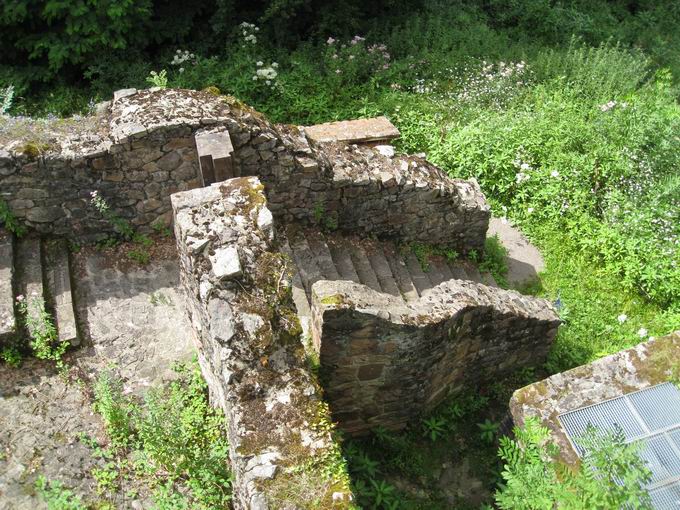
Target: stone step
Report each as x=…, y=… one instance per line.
x=58, y=295
x=342, y=260
x=441, y=265
x=472, y=271
x=434, y=272
x=324, y=258
x=363, y=266
x=458, y=270
x=299, y=295
x=7, y=320
x=29, y=272
x=488, y=279
x=305, y=260
x=381, y=267
x=418, y=276
x=400, y=272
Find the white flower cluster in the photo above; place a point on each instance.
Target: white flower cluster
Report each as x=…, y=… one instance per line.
x=248, y=30
x=523, y=167
x=609, y=105
x=492, y=83
x=98, y=202
x=267, y=74
x=181, y=57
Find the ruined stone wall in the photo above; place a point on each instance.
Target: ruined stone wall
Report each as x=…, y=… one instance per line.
x=386, y=362
x=136, y=152
x=238, y=300
x=140, y=149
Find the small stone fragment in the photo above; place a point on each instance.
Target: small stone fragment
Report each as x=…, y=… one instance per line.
x=225, y=263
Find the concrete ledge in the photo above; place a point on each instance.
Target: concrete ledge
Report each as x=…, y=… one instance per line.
x=640, y=367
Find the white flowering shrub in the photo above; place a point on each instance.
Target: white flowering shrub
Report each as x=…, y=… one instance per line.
x=249, y=33
x=354, y=61
x=266, y=74
x=6, y=99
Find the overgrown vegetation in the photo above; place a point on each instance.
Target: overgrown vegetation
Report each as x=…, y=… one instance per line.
x=173, y=442
x=565, y=112
x=42, y=334
x=611, y=475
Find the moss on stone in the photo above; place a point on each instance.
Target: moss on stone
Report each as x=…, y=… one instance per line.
x=335, y=299
x=34, y=149
x=213, y=90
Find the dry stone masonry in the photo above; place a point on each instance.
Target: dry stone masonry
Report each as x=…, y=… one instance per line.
x=250, y=349
x=293, y=245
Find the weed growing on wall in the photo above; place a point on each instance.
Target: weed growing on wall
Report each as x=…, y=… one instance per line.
x=10, y=221
x=140, y=253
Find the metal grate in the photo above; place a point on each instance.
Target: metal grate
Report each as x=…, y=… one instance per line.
x=650, y=417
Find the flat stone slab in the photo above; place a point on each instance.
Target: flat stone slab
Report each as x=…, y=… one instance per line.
x=214, y=156
x=354, y=131
x=640, y=367
x=525, y=262
x=29, y=268
x=58, y=279
x=7, y=322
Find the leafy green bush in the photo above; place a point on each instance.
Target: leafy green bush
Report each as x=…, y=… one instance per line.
x=611, y=474
x=177, y=440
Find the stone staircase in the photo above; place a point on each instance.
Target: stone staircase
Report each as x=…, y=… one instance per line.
x=383, y=266
x=37, y=269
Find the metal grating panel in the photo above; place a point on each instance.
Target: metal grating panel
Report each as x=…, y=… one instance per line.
x=661, y=458
x=658, y=406
x=675, y=437
x=604, y=416
x=650, y=417
x=666, y=498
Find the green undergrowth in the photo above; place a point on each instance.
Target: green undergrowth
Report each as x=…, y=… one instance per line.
x=408, y=469
x=600, y=316
x=172, y=443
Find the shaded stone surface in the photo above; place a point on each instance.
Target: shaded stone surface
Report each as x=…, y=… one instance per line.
x=7, y=322
x=59, y=295
x=42, y=414
x=634, y=369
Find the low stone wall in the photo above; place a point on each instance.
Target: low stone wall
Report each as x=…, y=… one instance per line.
x=645, y=365
x=362, y=189
x=238, y=300
x=140, y=149
x=385, y=362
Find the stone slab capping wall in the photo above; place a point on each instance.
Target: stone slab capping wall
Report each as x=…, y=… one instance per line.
x=386, y=361
x=238, y=299
x=647, y=364
x=141, y=148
